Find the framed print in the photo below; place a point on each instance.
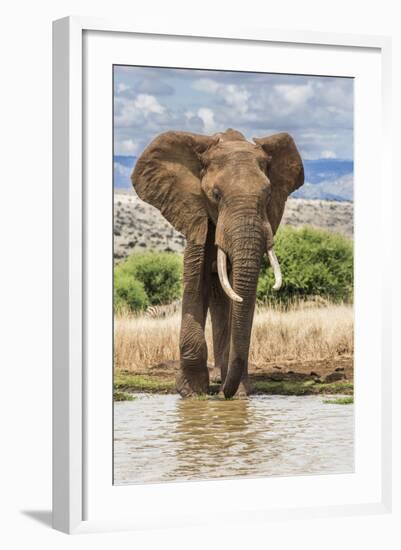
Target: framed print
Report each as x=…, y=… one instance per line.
x=220, y=266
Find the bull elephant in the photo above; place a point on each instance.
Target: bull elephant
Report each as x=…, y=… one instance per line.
x=226, y=195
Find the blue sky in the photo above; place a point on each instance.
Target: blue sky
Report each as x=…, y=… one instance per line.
x=316, y=111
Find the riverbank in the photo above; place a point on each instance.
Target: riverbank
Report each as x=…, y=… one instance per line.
x=293, y=378
x=302, y=351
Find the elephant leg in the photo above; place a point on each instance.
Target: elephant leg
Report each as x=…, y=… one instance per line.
x=220, y=313
x=244, y=387
x=220, y=310
x=193, y=375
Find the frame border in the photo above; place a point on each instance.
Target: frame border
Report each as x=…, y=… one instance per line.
x=68, y=250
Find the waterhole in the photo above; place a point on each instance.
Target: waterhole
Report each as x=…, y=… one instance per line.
x=161, y=438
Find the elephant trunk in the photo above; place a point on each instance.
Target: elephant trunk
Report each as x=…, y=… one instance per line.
x=248, y=244
x=223, y=275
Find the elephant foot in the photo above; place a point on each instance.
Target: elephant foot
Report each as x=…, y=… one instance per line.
x=191, y=382
x=244, y=389
x=215, y=374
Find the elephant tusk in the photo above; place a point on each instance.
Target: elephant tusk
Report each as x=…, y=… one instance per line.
x=276, y=269
x=222, y=271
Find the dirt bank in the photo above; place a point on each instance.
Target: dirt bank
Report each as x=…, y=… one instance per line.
x=286, y=378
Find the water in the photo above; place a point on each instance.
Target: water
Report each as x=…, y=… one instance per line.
x=165, y=438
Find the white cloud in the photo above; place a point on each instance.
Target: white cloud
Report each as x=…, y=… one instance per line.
x=295, y=95
x=121, y=170
x=122, y=87
x=237, y=97
x=318, y=141
x=148, y=104
x=132, y=111
x=316, y=111
x=126, y=147
x=207, y=116
x=233, y=95
x=206, y=85
x=328, y=155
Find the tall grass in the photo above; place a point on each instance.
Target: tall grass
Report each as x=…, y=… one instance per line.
x=306, y=331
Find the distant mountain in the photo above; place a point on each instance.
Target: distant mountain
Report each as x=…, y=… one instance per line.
x=319, y=170
x=340, y=189
x=327, y=179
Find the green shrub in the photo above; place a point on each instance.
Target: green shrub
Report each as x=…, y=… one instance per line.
x=313, y=263
x=129, y=293
x=159, y=275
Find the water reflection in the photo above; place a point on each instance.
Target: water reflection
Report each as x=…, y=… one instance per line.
x=207, y=432
x=161, y=438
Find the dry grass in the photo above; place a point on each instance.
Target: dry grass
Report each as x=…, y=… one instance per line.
x=140, y=343
x=305, y=333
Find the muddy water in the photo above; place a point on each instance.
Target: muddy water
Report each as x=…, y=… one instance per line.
x=165, y=438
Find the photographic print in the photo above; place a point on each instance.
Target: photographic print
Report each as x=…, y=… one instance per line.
x=233, y=274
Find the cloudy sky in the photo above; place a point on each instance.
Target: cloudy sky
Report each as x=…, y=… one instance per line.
x=317, y=111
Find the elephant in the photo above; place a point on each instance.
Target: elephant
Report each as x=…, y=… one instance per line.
x=227, y=196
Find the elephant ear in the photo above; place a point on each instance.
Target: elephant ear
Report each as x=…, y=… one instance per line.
x=167, y=176
x=285, y=171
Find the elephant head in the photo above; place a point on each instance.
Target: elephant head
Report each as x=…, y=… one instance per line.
x=238, y=187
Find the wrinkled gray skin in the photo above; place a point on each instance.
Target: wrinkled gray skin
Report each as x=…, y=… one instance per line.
x=224, y=192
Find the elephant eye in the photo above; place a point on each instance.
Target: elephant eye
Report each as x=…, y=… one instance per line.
x=263, y=165
x=268, y=191
x=264, y=162
x=216, y=194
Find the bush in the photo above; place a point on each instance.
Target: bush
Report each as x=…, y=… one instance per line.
x=158, y=274
x=313, y=263
x=129, y=293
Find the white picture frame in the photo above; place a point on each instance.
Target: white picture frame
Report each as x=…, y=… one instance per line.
x=72, y=427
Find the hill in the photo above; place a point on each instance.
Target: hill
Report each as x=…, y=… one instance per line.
x=139, y=226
